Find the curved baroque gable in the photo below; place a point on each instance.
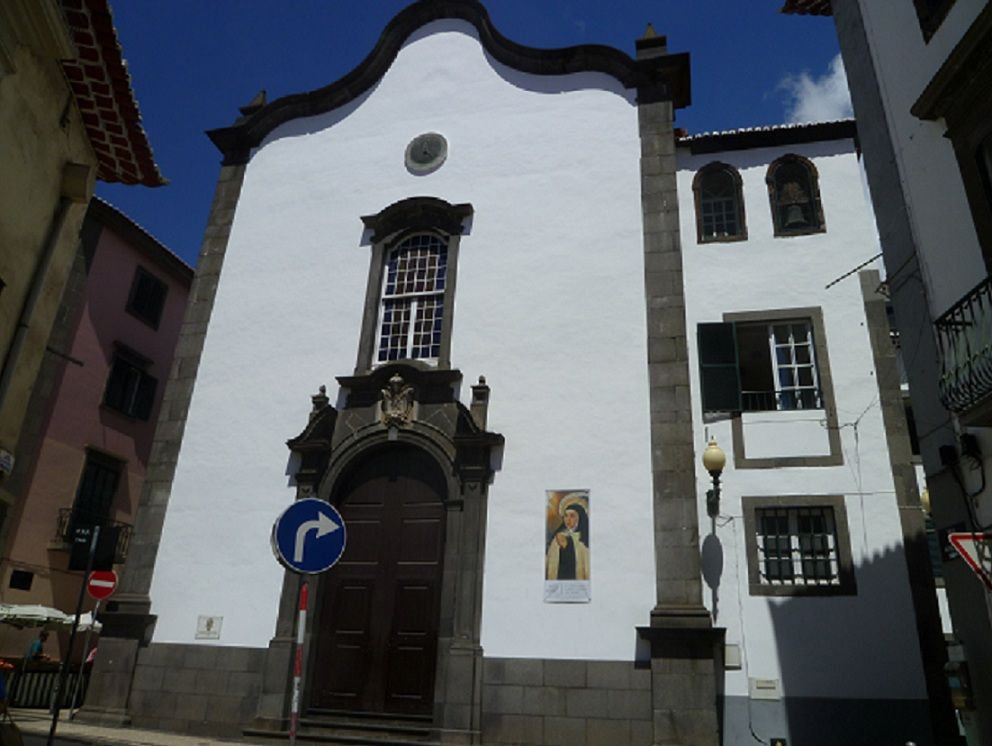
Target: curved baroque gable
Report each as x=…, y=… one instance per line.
x=659, y=78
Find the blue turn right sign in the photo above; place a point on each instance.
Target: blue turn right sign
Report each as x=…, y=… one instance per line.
x=309, y=537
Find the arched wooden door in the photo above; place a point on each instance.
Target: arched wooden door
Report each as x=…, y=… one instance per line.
x=377, y=627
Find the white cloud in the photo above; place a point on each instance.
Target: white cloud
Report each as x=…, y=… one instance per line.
x=818, y=99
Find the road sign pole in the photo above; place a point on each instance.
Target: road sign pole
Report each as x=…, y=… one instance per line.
x=60, y=686
x=86, y=654
x=301, y=625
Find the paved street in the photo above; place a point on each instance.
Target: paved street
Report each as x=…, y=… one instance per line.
x=34, y=725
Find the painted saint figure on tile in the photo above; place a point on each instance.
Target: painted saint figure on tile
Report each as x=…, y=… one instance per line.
x=566, y=564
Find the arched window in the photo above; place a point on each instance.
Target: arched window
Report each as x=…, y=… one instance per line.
x=795, y=196
x=412, y=308
x=409, y=300
x=719, y=204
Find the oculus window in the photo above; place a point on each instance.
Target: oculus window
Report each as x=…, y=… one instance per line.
x=756, y=367
x=794, y=192
x=719, y=204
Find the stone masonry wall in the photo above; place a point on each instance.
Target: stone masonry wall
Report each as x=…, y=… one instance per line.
x=199, y=689
x=565, y=702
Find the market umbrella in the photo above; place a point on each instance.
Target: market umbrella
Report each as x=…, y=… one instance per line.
x=86, y=623
x=32, y=615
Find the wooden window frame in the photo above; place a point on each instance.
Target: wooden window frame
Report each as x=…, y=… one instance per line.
x=697, y=190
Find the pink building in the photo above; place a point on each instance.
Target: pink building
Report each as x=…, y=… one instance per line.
x=93, y=409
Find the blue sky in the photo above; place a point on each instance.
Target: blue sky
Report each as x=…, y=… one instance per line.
x=194, y=62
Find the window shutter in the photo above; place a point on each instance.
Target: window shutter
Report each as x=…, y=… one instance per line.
x=718, y=369
x=145, y=397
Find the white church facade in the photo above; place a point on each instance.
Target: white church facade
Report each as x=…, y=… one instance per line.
x=528, y=303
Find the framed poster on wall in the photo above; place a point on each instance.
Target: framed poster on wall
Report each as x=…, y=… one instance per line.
x=566, y=545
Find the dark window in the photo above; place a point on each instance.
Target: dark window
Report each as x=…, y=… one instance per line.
x=719, y=204
x=795, y=197
x=753, y=367
x=984, y=158
x=147, y=297
x=797, y=546
x=934, y=545
x=931, y=14
x=20, y=580
x=130, y=390
x=413, y=299
x=95, y=495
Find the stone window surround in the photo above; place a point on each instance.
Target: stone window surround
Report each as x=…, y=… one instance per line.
x=697, y=196
x=389, y=228
x=814, y=195
x=845, y=564
x=836, y=455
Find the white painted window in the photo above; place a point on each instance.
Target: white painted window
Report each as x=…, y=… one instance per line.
x=778, y=366
x=412, y=306
x=791, y=347
x=797, y=546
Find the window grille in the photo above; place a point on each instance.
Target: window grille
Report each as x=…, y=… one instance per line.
x=797, y=546
x=413, y=300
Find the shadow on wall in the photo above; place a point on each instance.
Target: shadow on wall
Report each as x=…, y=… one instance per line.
x=862, y=650
x=868, y=642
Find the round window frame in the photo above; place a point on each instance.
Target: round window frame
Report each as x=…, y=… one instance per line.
x=420, y=169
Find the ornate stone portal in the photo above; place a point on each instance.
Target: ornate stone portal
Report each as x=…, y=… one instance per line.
x=414, y=406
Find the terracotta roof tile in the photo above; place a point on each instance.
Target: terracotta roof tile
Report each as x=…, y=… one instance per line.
x=102, y=89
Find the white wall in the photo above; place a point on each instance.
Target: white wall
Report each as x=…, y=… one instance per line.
x=850, y=646
x=549, y=307
x=950, y=255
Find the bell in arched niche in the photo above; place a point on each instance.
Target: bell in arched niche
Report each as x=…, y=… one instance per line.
x=793, y=205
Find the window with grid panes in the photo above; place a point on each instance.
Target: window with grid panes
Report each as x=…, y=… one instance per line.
x=797, y=546
x=719, y=204
x=777, y=365
x=412, y=305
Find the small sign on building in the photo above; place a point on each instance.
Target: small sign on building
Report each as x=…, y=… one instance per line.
x=208, y=627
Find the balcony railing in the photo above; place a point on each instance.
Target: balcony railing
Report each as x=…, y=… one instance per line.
x=772, y=401
x=964, y=335
x=69, y=519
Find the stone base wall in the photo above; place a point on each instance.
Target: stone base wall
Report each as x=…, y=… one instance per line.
x=565, y=702
x=200, y=689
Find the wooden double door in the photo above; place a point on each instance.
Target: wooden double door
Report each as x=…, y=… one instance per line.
x=378, y=614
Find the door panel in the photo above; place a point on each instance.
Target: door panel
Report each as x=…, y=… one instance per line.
x=377, y=621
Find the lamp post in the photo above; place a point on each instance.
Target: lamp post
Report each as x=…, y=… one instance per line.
x=714, y=460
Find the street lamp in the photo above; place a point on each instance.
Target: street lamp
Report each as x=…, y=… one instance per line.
x=714, y=460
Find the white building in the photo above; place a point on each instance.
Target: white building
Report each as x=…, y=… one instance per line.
x=798, y=381
x=919, y=74
x=458, y=207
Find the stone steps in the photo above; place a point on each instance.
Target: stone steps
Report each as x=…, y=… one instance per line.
x=356, y=729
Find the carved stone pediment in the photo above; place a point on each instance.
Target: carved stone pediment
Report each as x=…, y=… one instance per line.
x=396, y=404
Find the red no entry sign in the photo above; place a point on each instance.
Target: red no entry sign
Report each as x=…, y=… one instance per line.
x=101, y=584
